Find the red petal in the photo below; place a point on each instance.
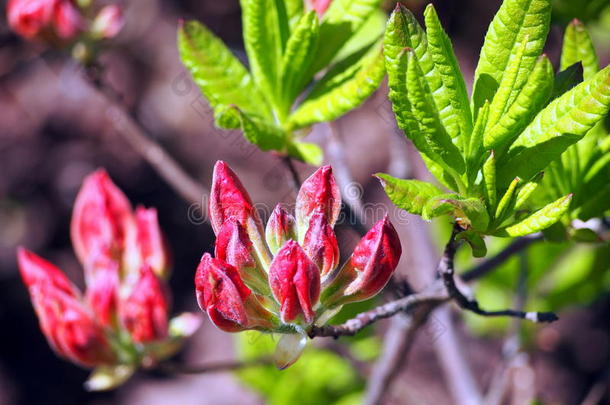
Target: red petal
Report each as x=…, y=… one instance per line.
x=150, y=241
x=29, y=17
x=295, y=282
x=144, y=312
x=228, y=198
x=36, y=271
x=102, y=216
x=318, y=193
x=321, y=244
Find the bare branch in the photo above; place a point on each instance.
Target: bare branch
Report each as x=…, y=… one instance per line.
x=133, y=132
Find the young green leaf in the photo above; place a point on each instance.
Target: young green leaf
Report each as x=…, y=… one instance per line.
x=451, y=99
x=539, y=220
x=507, y=202
x=489, y=180
x=340, y=22
x=306, y=152
x=474, y=152
x=410, y=195
x=294, y=12
x=578, y=47
x=476, y=242
x=563, y=122
x=264, y=33
x=262, y=134
x=532, y=97
x=425, y=111
x=507, y=88
x=300, y=48
x=468, y=212
x=223, y=80
x=515, y=20
x=342, y=91
x=527, y=189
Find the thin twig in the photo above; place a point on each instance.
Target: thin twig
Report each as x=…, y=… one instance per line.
x=216, y=367
x=446, y=272
x=295, y=180
x=126, y=125
x=364, y=319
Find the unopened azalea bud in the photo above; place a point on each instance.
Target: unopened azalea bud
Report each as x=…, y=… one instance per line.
x=280, y=228
x=234, y=247
x=229, y=199
x=369, y=268
x=144, y=313
x=228, y=302
x=29, y=17
x=66, y=19
x=295, y=282
x=150, y=242
x=321, y=244
x=320, y=6
x=108, y=22
x=102, y=216
x=318, y=193
x=36, y=271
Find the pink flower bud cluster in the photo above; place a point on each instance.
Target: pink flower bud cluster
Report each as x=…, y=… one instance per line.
x=287, y=275
x=122, y=317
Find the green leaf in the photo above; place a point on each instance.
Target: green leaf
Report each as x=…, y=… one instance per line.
x=507, y=202
x=340, y=22
x=264, y=135
x=264, y=32
x=298, y=56
x=526, y=190
x=342, y=91
x=567, y=79
x=222, y=78
x=474, y=152
x=451, y=98
x=597, y=205
x=532, y=97
x=425, y=111
x=507, y=88
x=468, y=212
x=307, y=152
x=489, y=180
x=409, y=195
x=578, y=47
x=562, y=123
x=539, y=220
x=476, y=242
x=294, y=12
x=515, y=20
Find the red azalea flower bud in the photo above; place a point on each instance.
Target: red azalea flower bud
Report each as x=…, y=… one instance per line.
x=102, y=216
x=67, y=19
x=318, y=193
x=36, y=271
x=102, y=279
x=29, y=17
x=234, y=247
x=108, y=22
x=369, y=268
x=150, y=241
x=228, y=302
x=280, y=228
x=144, y=312
x=319, y=5
x=321, y=244
x=295, y=282
x=70, y=328
x=228, y=198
